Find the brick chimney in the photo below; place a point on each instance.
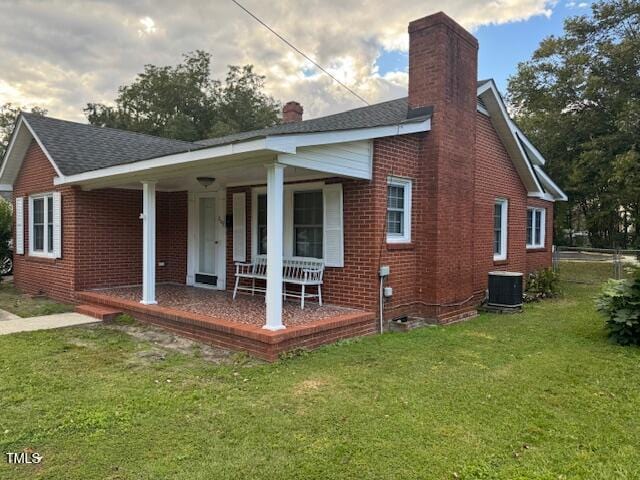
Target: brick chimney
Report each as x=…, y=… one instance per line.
x=292, y=112
x=443, y=60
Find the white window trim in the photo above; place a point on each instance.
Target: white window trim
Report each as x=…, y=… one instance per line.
x=287, y=244
x=44, y=253
x=408, y=186
x=504, y=229
x=543, y=220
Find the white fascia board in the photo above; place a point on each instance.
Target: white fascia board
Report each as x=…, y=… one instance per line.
x=5, y=187
x=537, y=156
x=490, y=86
x=342, y=136
x=542, y=196
x=9, y=150
x=551, y=185
x=170, y=160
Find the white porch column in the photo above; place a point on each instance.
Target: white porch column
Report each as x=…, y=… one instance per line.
x=148, y=243
x=275, y=207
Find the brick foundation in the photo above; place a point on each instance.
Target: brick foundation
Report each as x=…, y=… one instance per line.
x=236, y=336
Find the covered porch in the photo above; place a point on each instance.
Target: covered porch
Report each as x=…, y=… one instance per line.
x=230, y=204
x=214, y=317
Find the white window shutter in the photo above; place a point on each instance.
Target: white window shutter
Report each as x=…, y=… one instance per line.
x=239, y=227
x=57, y=225
x=287, y=243
x=20, y=225
x=333, y=243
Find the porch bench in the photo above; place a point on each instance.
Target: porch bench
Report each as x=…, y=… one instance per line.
x=304, y=272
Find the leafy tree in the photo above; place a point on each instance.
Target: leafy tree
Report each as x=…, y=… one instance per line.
x=8, y=115
x=185, y=103
x=578, y=98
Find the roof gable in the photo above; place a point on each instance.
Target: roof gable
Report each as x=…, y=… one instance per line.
x=526, y=158
x=78, y=147
x=21, y=138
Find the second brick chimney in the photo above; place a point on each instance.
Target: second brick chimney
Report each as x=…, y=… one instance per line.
x=292, y=112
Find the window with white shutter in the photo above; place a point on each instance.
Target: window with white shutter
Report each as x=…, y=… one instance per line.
x=45, y=225
x=20, y=225
x=57, y=225
x=333, y=244
x=239, y=227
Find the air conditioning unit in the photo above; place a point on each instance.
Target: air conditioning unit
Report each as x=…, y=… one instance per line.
x=505, y=290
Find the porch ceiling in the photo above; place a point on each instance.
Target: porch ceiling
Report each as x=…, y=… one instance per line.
x=253, y=174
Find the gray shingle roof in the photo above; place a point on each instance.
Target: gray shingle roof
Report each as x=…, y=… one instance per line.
x=78, y=147
x=393, y=112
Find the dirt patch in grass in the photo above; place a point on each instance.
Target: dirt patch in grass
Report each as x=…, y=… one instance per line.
x=163, y=342
x=14, y=301
x=310, y=385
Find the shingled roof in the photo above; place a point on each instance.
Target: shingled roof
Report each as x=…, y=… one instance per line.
x=79, y=147
x=393, y=112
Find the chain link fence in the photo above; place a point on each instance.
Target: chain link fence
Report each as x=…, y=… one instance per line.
x=602, y=263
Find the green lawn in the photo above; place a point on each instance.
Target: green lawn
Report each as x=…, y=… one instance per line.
x=537, y=395
x=25, y=306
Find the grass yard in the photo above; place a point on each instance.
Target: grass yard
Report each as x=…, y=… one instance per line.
x=539, y=395
x=24, y=306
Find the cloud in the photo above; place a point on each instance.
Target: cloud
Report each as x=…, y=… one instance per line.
x=573, y=4
x=61, y=54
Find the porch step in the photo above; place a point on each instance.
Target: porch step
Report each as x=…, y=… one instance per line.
x=105, y=314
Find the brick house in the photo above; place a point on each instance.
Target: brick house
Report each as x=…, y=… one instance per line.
x=440, y=186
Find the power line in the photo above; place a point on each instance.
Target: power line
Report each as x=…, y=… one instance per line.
x=300, y=52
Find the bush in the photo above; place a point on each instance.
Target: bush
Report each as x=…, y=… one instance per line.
x=541, y=284
x=619, y=301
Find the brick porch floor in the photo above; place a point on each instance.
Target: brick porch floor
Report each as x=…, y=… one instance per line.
x=214, y=317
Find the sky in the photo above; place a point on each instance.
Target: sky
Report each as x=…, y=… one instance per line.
x=62, y=54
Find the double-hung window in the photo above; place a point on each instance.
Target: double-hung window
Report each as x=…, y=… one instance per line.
x=308, y=224
x=535, y=227
x=398, y=210
x=41, y=225
x=500, y=226
x=262, y=224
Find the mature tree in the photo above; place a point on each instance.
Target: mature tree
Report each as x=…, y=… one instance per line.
x=185, y=103
x=578, y=98
x=8, y=115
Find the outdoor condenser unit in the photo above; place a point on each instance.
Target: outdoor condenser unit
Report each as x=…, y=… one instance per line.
x=505, y=290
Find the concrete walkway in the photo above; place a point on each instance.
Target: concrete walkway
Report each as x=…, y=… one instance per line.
x=10, y=323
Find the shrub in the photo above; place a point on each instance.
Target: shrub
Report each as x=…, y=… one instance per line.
x=541, y=284
x=619, y=301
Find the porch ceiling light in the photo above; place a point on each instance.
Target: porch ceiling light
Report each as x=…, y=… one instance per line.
x=206, y=181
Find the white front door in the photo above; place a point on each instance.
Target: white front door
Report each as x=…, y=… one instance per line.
x=206, y=240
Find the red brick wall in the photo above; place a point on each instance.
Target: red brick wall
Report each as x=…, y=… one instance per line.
x=443, y=74
x=542, y=257
x=53, y=277
x=496, y=177
x=102, y=236
x=112, y=254
x=171, y=236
